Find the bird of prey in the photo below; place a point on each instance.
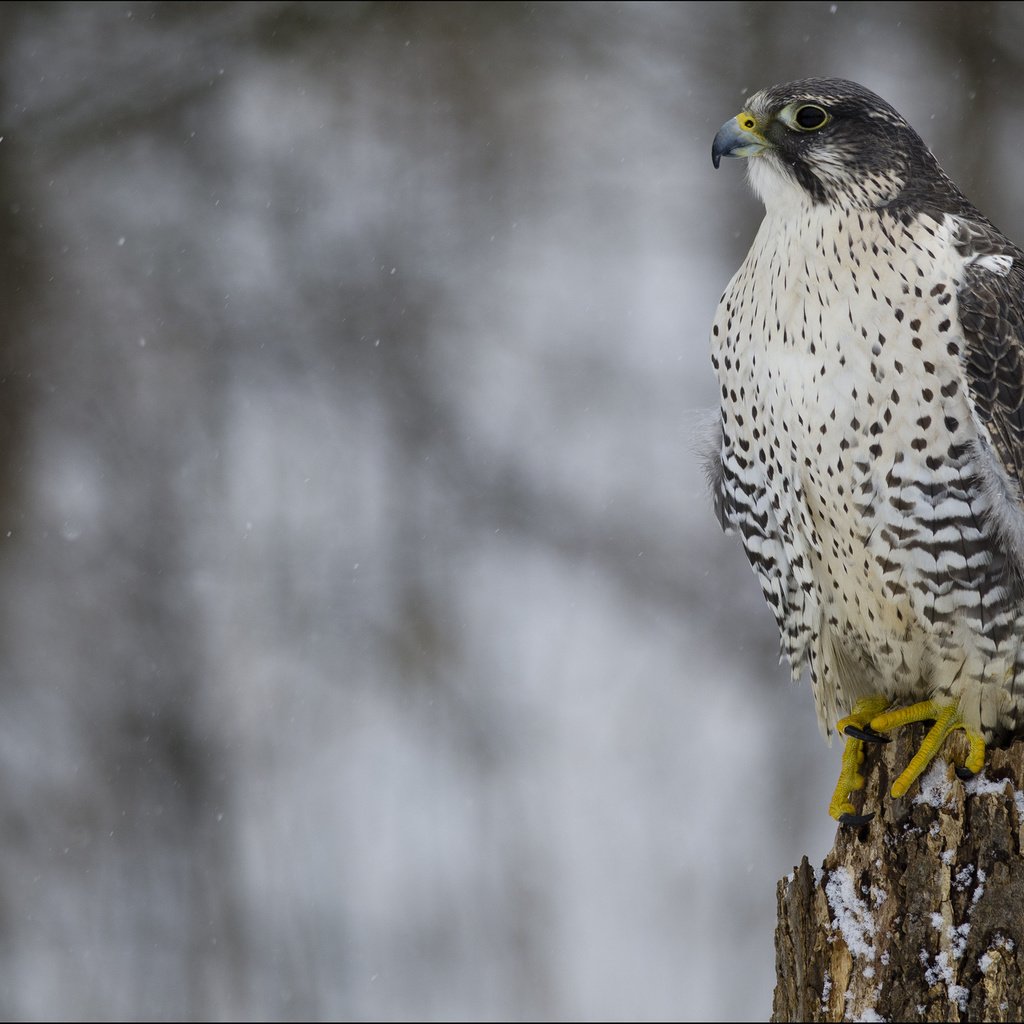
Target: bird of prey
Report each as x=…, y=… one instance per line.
x=870, y=450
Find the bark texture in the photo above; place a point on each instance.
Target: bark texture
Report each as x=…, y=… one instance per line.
x=918, y=915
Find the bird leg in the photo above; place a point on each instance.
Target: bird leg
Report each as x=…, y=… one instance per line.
x=947, y=718
x=856, y=726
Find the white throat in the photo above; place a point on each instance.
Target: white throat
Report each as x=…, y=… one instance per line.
x=776, y=187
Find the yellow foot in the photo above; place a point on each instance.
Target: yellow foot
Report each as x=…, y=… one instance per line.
x=947, y=719
x=850, y=778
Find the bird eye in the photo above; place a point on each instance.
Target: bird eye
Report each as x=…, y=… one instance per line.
x=810, y=118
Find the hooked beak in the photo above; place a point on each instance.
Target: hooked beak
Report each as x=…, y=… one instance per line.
x=738, y=137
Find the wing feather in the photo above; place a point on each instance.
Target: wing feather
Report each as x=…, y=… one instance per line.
x=990, y=302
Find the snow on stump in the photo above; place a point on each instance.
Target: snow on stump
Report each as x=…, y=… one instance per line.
x=918, y=915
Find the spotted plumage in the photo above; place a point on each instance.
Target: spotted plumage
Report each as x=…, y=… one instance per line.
x=870, y=452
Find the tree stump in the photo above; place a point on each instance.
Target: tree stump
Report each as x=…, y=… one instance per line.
x=918, y=915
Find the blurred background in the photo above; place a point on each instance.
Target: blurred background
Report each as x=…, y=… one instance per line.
x=369, y=646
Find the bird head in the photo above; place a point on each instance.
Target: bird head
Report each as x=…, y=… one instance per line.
x=826, y=140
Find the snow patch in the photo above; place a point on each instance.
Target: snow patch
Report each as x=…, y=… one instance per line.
x=851, y=915
x=936, y=789
x=959, y=995
x=870, y=1014
x=957, y=937
x=963, y=878
x=941, y=972
x=981, y=785
x=980, y=890
x=958, y=940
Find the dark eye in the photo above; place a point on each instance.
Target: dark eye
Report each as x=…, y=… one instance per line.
x=810, y=118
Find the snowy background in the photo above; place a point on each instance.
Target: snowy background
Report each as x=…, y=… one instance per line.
x=369, y=647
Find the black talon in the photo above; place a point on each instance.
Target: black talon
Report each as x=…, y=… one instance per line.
x=867, y=734
x=855, y=820
x=963, y=773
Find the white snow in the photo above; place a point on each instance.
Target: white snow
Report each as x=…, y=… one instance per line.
x=851, y=915
x=958, y=940
x=959, y=995
x=963, y=878
x=936, y=789
x=986, y=960
x=980, y=890
x=981, y=785
x=870, y=1014
x=942, y=971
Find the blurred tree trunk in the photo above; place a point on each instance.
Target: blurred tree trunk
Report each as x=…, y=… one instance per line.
x=918, y=915
x=18, y=264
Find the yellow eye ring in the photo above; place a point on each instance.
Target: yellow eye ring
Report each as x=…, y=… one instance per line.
x=810, y=118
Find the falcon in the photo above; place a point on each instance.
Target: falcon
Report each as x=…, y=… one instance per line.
x=870, y=358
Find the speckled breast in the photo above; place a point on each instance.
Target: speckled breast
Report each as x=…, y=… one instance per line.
x=847, y=454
